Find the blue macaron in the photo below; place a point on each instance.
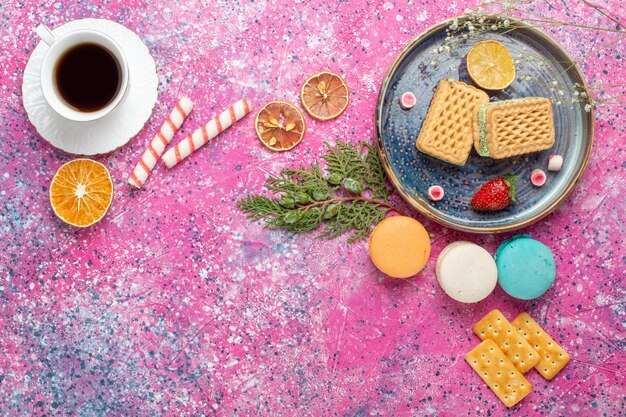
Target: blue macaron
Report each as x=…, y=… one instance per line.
x=526, y=267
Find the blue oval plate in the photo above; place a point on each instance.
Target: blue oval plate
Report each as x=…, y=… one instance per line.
x=543, y=69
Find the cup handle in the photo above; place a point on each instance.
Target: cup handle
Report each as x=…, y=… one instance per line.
x=45, y=34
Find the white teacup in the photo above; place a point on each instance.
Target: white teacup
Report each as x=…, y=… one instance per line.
x=58, y=46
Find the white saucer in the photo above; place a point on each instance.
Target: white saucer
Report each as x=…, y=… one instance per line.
x=115, y=129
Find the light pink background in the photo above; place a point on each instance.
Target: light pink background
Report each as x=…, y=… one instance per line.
x=176, y=305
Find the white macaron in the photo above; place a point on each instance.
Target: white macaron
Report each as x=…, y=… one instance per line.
x=466, y=272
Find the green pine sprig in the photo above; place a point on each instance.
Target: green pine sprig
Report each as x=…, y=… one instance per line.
x=349, y=196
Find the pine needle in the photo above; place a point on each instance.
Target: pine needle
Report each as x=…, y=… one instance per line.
x=349, y=196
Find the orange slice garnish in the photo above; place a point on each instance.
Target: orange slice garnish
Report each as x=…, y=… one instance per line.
x=490, y=65
x=280, y=125
x=81, y=192
x=324, y=95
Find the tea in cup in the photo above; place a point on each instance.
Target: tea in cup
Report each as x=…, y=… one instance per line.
x=84, y=74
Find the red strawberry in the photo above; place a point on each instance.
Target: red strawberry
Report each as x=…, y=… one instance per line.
x=496, y=194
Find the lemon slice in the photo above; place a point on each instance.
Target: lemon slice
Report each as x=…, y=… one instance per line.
x=490, y=65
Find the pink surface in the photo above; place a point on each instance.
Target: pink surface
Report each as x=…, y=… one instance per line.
x=176, y=305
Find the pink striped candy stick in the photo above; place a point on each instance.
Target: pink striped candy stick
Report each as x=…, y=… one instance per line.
x=201, y=136
x=159, y=142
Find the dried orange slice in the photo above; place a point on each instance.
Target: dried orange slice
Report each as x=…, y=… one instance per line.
x=280, y=125
x=81, y=192
x=324, y=95
x=490, y=65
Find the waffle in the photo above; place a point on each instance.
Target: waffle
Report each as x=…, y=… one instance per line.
x=447, y=132
x=514, y=127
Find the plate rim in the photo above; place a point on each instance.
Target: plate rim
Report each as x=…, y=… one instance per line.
x=425, y=209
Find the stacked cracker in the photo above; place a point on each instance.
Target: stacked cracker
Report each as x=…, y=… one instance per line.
x=514, y=127
x=447, y=132
x=509, y=350
x=461, y=115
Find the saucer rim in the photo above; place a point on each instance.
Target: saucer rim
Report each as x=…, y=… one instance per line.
x=105, y=147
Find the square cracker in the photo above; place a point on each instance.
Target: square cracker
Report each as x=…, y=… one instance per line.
x=492, y=365
x=447, y=132
x=517, y=127
x=553, y=357
x=496, y=327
